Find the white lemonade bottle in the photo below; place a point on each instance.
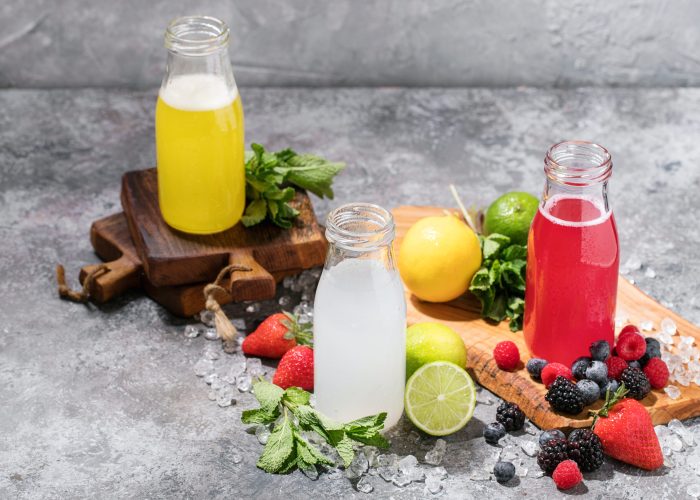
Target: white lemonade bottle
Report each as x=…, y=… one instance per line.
x=360, y=319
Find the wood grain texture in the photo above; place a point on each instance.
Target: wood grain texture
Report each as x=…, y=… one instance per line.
x=112, y=242
x=171, y=257
x=481, y=336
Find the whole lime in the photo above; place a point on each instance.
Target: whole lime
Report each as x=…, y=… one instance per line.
x=511, y=215
x=428, y=342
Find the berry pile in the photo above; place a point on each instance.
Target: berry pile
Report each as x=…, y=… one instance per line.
x=509, y=418
x=634, y=360
x=565, y=459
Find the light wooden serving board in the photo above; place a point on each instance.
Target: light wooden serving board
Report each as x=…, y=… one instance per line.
x=481, y=336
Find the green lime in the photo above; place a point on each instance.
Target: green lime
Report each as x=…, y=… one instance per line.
x=428, y=342
x=440, y=398
x=511, y=215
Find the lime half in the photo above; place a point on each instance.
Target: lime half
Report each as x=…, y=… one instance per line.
x=440, y=398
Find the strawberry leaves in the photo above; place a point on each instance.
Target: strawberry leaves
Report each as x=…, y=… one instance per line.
x=287, y=446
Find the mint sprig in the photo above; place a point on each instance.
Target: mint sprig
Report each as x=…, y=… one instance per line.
x=500, y=282
x=270, y=181
x=287, y=447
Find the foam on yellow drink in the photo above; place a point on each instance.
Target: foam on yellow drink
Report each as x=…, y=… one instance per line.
x=200, y=153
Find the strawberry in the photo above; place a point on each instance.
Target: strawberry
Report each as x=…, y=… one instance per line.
x=626, y=431
x=296, y=369
x=276, y=335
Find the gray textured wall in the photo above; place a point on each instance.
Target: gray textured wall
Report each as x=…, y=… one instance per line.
x=65, y=43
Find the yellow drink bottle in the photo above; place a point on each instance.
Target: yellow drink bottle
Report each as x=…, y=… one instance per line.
x=199, y=131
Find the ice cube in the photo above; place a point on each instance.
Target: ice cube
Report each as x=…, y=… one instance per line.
x=633, y=263
x=480, y=475
x=646, y=325
x=672, y=391
x=407, y=464
x=364, y=486
x=255, y=367
x=203, y=367
x=649, y=273
x=438, y=472
x=212, y=352
x=252, y=308
x=620, y=321
x=262, y=433
x=285, y=301
x=535, y=473
x=311, y=472
x=529, y=447
x=224, y=395
x=668, y=326
x=192, y=331
x=231, y=346
x=693, y=490
x=207, y=317
x=211, y=334
x=401, y=480
x=683, y=379
x=236, y=458
x=433, y=485
x=288, y=281
x=665, y=339
x=238, y=367
x=208, y=379
x=521, y=471
x=211, y=395
x=244, y=383
x=484, y=398
x=509, y=453
x=304, y=313
x=682, y=431
x=312, y=400
x=435, y=456
x=358, y=466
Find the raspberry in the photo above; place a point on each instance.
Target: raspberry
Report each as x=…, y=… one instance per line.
x=554, y=370
x=616, y=366
x=567, y=475
x=507, y=355
x=628, y=329
x=631, y=346
x=657, y=373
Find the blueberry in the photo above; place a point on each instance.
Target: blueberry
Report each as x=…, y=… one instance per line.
x=534, y=367
x=493, y=432
x=597, y=372
x=580, y=366
x=504, y=471
x=600, y=350
x=547, y=436
x=653, y=351
x=589, y=390
x=611, y=386
x=635, y=364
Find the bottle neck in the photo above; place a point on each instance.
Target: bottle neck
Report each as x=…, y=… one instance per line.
x=360, y=231
x=578, y=169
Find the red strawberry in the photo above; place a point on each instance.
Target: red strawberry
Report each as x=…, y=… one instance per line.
x=627, y=433
x=631, y=346
x=657, y=373
x=506, y=355
x=567, y=475
x=296, y=369
x=616, y=366
x=554, y=370
x=276, y=335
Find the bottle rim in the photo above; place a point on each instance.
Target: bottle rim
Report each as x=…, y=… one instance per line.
x=196, y=35
x=360, y=226
x=578, y=163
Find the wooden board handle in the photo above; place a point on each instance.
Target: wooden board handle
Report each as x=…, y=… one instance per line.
x=256, y=284
x=122, y=275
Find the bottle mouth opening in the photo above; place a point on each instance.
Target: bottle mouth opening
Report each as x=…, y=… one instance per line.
x=360, y=226
x=196, y=35
x=578, y=163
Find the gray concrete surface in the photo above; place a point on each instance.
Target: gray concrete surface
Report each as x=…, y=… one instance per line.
x=102, y=402
x=48, y=43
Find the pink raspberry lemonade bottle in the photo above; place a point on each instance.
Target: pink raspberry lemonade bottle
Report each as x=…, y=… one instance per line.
x=573, y=256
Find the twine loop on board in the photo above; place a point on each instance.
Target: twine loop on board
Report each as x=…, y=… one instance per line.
x=82, y=296
x=224, y=327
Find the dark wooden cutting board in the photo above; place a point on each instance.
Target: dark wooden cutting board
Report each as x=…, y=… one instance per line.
x=171, y=257
x=112, y=242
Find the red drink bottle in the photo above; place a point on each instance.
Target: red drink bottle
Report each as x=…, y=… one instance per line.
x=573, y=256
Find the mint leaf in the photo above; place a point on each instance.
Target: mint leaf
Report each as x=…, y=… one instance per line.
x=313, y=173
x=254, y=213
x=268, y=395
x=344, y=448
x=260, y=416
x=492, y=244
x=297, y=396
x=279, y=449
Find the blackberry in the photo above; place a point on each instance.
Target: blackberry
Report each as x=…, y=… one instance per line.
x=547, y=436
x=637, y=383
x=585, y=449
x=534, y=367
x=564, y=396
x=511, y=416
x=553, y=452
x=580, y=366
x=504, y=471
x=493, y=432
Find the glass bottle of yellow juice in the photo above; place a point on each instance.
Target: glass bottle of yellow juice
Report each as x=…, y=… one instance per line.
x=199, y=130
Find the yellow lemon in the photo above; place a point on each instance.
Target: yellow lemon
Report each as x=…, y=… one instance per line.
x=438, y=257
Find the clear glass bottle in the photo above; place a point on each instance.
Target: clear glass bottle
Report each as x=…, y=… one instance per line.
x=360, y=318
x=573, y=256
x=199, y=130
